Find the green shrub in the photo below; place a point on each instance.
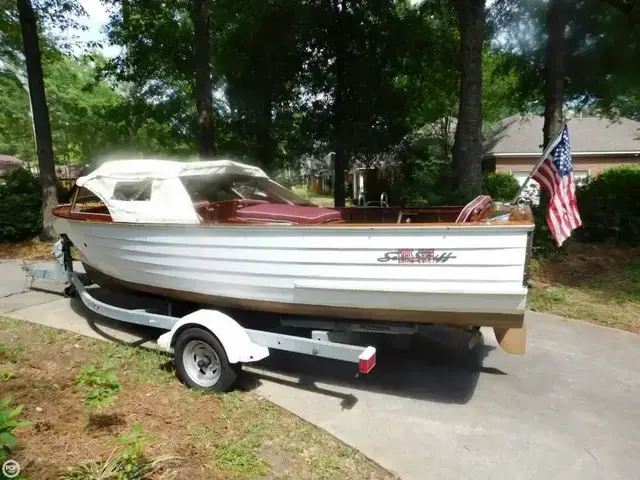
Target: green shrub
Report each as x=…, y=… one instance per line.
x=544, y=245
x=425, y=180
x=500, y=186
x=609, y=205
x=8, y=423
x=102, y=382
x=20, y=207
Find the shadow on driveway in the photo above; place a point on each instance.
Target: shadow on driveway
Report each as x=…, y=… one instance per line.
x=426, y=370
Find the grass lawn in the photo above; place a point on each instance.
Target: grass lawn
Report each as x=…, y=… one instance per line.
x=597, y=283
x=317, y=198
x=193, y=435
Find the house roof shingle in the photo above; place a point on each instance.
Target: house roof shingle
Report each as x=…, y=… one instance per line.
x=9, y=163
x=522, y=135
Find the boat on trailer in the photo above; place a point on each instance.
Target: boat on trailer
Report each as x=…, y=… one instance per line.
x=223, y=233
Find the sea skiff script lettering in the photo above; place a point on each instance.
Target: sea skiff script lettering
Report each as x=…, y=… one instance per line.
x=423, y=255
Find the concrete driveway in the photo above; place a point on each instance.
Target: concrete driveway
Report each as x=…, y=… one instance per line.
x=568, y=409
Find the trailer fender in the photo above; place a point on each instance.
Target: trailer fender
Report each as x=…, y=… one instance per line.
x=232, y=336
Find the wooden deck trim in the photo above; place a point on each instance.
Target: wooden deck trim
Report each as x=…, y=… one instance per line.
x=105, y=218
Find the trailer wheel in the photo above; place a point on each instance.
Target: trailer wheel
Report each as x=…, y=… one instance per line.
x=201, y=361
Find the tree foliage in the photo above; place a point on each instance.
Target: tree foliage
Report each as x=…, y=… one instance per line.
x=20, y=200
x=610, y=206
x=16, y=130
x=375, y=82
x=500, y=186
x=79, y=108
x=602, y=52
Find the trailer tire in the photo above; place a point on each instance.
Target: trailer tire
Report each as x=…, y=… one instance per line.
x=201, y=361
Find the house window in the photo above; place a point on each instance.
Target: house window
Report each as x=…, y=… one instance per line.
x=581, y=176
x=532, y=192
x=520, y=176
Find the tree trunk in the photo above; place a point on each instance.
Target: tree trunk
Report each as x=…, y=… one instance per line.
x=467, y=147
x=554, y=69
x=445, y=135
x=341, y=154
x=341, y=157
x=204, y=94
x=131, y=121
x=265, y=135
x=41, y=122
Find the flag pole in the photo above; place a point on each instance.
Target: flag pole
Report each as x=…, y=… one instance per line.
x=552, y=144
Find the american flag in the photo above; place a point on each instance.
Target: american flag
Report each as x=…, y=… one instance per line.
x=555, y=175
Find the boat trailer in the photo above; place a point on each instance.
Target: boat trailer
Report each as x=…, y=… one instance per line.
x=209, y=347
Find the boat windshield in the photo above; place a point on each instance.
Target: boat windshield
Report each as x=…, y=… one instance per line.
x=239, y=187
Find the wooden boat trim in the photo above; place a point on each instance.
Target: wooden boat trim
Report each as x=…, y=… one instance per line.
x=63, y=211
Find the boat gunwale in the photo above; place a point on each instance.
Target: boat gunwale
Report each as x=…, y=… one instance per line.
x=106, y=219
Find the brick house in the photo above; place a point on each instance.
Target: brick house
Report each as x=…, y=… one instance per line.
x=65, y=174
x=596, y=144
x=9, y=164
x=68, y=174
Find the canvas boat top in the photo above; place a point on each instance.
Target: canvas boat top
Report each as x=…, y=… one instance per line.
x=163, y=191
x=140, y=169
x=228, y=192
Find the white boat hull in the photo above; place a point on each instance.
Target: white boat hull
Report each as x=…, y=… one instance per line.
x=467, y=275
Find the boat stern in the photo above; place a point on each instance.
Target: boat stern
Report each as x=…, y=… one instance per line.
x=514, y=339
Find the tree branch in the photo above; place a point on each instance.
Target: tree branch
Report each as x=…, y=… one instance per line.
x=623, y=6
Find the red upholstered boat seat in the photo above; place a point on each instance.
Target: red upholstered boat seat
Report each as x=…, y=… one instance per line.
x=474, y=208
x=279, y=212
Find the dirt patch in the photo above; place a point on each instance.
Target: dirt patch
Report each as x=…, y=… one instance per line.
x=67, y=357
x=234, y=435
x=105, y=421
x=29, y=250
x=280, y=465
x=584, y=263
